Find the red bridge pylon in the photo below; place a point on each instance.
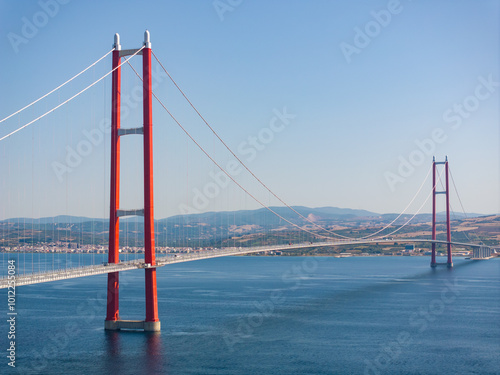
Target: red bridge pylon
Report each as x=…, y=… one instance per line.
x=449, y=262
x=113, y=321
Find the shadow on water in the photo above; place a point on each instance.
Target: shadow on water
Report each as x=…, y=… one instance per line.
x=154, y=354
x=358, y=296
x=114, y=363
x=128, y=351
x=442, y=272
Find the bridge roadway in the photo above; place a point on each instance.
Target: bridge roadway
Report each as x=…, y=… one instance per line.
x=70, y=273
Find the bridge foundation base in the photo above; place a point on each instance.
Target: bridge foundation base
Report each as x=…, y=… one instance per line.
x=116, y=325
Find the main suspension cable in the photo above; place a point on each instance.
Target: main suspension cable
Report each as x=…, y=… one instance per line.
x=462, y=206
x=57, y=88
x=401, y=214
x=240, y=161
x=71, y=98
x=224, y=171
x=416, y=213
x=265, y=186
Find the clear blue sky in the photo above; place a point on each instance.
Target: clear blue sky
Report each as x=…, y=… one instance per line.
x=365, y=80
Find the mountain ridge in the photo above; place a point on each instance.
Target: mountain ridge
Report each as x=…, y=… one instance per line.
x=245, y=217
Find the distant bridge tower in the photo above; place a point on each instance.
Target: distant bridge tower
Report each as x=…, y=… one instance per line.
x=113, y=321
x=449, y=262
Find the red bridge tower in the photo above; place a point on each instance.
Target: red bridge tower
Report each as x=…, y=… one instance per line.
x=449, y=262
x=113, y=321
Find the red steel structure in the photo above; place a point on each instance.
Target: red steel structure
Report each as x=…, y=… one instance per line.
x=449, y=261
x=113, y=321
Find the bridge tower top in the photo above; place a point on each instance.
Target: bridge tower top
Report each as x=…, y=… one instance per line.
x=116, y=44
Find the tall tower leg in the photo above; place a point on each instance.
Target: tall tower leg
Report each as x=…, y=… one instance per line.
x=449, y=262
x=112, y=314
x=433, y=254
x=152, y=322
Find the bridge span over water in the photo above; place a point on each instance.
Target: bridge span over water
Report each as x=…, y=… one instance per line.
x=98, y=269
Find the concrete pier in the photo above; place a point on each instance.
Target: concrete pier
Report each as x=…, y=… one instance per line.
x=116, y=325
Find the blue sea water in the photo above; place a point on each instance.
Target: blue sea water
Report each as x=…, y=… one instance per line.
x=270, y=315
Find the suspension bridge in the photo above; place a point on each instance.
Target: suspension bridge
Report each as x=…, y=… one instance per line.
x=324, y=237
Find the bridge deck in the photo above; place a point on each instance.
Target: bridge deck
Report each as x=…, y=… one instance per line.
x=69, y=273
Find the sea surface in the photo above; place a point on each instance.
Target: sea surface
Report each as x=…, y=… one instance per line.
x=268, y=315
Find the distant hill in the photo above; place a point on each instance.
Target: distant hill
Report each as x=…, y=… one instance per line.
x=264, y=217
x=260, y=216
x=251, y=227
